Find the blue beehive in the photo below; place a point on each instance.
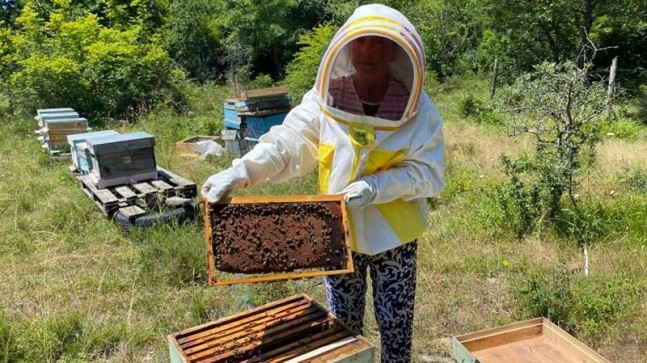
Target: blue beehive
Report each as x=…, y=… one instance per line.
x=256, y=111
x=260, y=122
x=231, y=120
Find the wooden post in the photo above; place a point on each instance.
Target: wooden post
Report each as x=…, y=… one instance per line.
x=612, y=80
x=494, y=76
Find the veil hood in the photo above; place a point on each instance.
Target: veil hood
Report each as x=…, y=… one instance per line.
x=407, y=66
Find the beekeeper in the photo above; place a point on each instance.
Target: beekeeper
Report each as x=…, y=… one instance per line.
x=376, y=138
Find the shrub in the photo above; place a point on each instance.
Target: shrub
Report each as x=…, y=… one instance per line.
x=531, y=193
x=626, y=129
x=478, y=110
x=636, y=180
x=302, y=71
x=79, y=63
x=585, y=307
x=560, y=108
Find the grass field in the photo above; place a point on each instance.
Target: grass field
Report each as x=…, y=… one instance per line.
x=75, y=289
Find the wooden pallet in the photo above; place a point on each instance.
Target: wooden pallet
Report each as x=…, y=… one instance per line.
x=137, y=199
x=58, y=155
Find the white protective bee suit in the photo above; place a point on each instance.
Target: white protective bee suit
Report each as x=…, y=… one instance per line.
x=386, y=167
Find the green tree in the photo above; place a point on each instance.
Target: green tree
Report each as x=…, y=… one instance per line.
x=556, y=31
x=560, y=108
x=261, y=36
x=302, y=71
x=77, y=62
x=450, y=31
x=193, y=38
x=539, y=30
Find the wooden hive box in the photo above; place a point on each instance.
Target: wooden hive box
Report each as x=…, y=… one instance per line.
x=231, y=119
x=258, y=123
x=122, y=159
x=531, y=341
x=66, y=123
x=187, y=146
x=57, y=131
x=78, y=152
x=295, y=329
x=270, y=238
x=263, y=99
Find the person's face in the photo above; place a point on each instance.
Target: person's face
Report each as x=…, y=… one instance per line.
x=371, y=54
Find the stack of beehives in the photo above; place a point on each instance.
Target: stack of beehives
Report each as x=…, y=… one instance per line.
x=55, y=124
x=253, y=114
x=110, y=158
x=122, y=159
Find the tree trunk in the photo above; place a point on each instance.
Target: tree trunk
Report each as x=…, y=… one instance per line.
x=495, y=73
x=277, y=64
x=586, y=28
x=611, y=88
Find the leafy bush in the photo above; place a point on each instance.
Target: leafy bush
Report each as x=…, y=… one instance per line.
x=626, y=129
x=584, y=306
x=636, y=180
x=592, y=222
x=79, y=63
x=532, y=192
x=480, y=111
x=560, y=108
x=263, y=80
x=302, y=71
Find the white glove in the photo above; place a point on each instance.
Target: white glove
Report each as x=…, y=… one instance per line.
x=358, y=194
x=220, y=184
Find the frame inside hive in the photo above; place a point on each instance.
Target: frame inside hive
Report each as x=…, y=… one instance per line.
x=295, y=329
x=270, y=238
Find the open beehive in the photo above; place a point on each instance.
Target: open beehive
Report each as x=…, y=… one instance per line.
x=292, y=330
x=531, y=341
x=273, y=238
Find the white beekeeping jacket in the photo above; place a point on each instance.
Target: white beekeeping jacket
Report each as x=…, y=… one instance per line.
x=400, y=151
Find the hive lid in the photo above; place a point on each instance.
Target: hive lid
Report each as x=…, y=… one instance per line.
x=264, y=93
x=116, y=140
x=47, y=117
x=41, y=111
x=75, y=138
x=63, y=119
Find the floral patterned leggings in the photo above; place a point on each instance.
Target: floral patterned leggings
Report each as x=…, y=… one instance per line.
x=393, y=274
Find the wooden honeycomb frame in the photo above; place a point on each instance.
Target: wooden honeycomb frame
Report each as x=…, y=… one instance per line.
x=214, y=275
x=294, y=329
